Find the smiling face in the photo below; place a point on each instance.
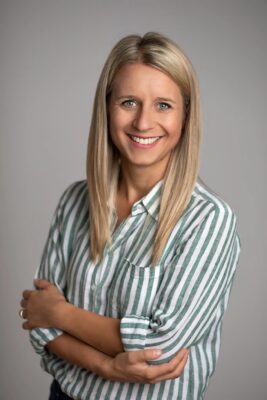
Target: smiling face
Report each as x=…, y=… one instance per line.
x=145, y=117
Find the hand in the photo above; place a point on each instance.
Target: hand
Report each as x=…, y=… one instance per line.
x=133, y=367
x=41, y=306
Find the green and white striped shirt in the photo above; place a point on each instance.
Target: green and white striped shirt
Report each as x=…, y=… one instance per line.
x=178, y=303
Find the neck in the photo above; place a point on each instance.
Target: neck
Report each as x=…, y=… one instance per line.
x=135, y=182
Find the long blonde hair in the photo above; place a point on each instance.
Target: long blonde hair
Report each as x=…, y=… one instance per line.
x=158, y=51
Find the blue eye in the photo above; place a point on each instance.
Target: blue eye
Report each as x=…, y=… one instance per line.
x=130, y=103
x=163, y=106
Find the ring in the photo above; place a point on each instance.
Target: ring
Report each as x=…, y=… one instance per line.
x=21, y=313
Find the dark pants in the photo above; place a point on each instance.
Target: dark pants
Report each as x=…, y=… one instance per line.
x=56, y=393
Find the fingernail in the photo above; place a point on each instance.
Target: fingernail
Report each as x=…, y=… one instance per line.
x=157, y=352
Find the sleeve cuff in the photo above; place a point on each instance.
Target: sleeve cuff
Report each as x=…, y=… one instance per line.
x=40, y=337
x=133, y=331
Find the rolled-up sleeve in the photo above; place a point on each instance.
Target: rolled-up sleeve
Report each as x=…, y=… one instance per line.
x=53, y=268
x=194, y=290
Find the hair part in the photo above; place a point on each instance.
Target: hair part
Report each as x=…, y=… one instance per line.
x=157, y=51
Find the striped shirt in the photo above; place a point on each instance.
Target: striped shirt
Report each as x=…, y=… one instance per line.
x=178, y=303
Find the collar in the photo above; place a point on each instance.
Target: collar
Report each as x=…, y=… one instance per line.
x=150, y=203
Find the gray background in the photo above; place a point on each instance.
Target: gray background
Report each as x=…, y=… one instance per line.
x=51, y=55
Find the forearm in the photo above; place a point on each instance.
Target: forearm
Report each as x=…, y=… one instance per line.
x=101, y=332
x=126, y=367
x=76, y=352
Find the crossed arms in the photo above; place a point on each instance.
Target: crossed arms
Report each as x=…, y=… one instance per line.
x=192, y=295
x=99, y=348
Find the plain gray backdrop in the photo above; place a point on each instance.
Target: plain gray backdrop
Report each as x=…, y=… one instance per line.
x=51, y=53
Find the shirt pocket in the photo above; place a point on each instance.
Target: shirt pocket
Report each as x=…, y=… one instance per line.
x=133, y=289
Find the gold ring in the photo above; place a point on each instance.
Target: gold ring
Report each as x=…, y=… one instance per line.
x=21, y=311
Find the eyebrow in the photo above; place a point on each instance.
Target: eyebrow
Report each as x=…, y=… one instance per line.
x=166, y=99
x=131, y=96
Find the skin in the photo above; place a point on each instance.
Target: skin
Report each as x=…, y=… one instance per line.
x=47, y=307
x=144, y=103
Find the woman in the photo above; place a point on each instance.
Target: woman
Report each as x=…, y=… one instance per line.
x=132, y=289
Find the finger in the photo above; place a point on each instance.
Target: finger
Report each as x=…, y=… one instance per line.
x=138, y=356
x=178, y=358
x=41, y=283
x=21, y=313
x=26, y=294
x=173, y=375
x=176, y=373
x=161, y=371
x=26, y=325
x=23, y=303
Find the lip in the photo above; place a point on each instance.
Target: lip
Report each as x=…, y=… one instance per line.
x=141, y=145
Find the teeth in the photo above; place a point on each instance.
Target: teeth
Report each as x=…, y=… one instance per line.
x=144, y=140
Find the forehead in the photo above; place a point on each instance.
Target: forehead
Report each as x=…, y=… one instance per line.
x=133, y=78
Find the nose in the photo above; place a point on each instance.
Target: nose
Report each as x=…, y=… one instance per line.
x=144, y=119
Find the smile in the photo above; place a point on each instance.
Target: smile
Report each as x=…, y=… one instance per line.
x=144, y=141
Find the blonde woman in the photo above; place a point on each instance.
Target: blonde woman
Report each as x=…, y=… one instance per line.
x=139, y=262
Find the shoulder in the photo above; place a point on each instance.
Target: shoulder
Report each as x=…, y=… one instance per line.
x=73, y=201
x=73, y=193
x=219, y=221
x=207, y=226
x=207, y=215
x=210, y=202
x=219, y=226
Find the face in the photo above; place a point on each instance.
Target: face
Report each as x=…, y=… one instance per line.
x=145, y=116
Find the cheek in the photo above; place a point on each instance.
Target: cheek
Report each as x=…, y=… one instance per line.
x=175, y=130
x=115, y=130
x=112, y=124
x=119, y=124
x=114, y=121
x=112, y=133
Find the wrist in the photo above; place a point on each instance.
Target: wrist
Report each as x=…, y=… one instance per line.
x=99, y=363
x=106, y=368
x=62, y=315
